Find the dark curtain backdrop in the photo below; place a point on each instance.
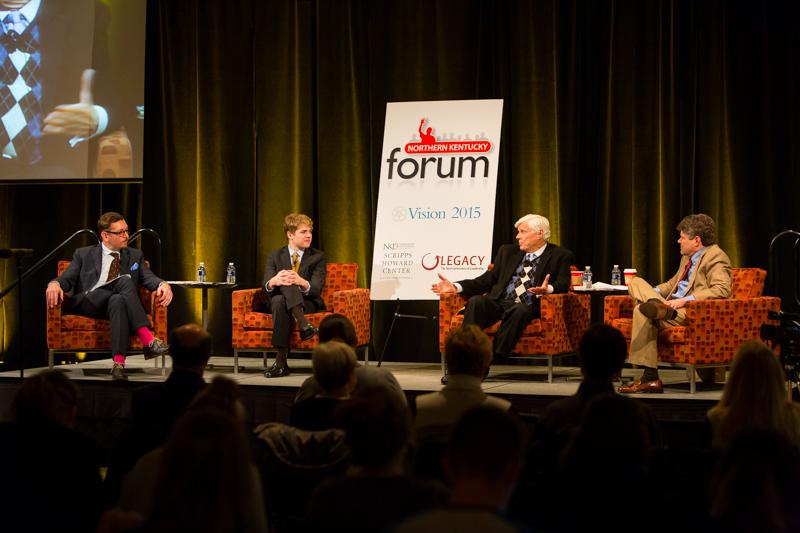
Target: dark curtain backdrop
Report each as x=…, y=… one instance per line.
x=620, y=117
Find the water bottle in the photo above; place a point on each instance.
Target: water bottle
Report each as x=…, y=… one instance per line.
x=231, y=277
x=616, y=275
x=201, y=271
x=587, y=278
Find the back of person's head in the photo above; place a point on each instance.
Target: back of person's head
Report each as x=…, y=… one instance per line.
x=602, y=352
x=337, y=327
x=468, y=350
x=755, y=394
x=222, y=394
x=204, y=479
x=754, y=486
x=333, y=364
x=377, y=426
x=486, y=443
x=47, y=398
x=190, y=347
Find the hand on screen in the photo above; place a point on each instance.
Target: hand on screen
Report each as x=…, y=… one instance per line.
x=75, y=120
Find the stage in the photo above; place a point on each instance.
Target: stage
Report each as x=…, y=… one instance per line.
x=105, y=405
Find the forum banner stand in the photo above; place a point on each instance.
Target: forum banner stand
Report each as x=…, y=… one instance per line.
x=436, y=197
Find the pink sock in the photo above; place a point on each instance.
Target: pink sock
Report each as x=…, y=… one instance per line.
x=145, y=337
x=119, y=359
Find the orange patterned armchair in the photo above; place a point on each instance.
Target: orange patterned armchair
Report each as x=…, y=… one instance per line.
x=713, y=328
x=252, y=329
x=74, y=333
x=564, y=319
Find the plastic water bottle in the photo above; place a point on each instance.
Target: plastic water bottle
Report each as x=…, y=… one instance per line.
x=231, y=277
x=587, y=278
x=616, y=275
x=201, y=271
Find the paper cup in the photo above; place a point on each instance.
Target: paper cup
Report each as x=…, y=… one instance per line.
x=576, y=278
x=629, y=273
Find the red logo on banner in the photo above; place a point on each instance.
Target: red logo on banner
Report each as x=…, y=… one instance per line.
x=429, y=144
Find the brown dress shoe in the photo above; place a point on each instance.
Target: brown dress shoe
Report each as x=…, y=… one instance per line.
x=640, y=387
x=656, y=310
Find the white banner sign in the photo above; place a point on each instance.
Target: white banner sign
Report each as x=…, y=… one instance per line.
x=436, y=197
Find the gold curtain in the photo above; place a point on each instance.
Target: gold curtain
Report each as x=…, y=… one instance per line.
x=620, y=117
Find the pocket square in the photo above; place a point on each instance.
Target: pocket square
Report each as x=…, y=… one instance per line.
x=135, y=267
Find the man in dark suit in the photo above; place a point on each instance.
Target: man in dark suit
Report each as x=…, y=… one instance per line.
x=294, y=280
x=510, y=291
x=102, y=282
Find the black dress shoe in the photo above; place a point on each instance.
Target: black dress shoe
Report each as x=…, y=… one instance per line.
x=276, y=371
x=155, y=348
x=444, y=379
x=308, y=332
x=118, y=372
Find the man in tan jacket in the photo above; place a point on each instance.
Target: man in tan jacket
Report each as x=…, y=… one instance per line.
x=704, y=273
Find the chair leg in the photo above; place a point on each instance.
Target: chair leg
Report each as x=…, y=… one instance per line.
x=163, y=364
x=550, y=369
x=50, y=358
x=692, y=380
x=235, y=361
x=366, y=355
x=444, y=365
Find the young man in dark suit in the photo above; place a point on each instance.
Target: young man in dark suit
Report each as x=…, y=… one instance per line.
x=510, y=291
x=103, y=280
x=294, y=278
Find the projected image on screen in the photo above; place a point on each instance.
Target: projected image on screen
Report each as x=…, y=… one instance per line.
x=71, y=89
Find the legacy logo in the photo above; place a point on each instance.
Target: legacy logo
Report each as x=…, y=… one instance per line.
x=452, y=262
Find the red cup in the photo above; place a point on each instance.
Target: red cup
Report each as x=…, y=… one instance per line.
x=629, y=273
x=576, y=278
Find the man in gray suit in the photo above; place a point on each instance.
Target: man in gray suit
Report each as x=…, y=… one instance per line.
x=294, y=278
x=102, y=281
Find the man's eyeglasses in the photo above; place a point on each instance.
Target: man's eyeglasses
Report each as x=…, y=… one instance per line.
x=120, y=232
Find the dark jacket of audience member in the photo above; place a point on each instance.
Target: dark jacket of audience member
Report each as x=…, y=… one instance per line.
x=483, y=460
x=50, y=475
x=755, y=485
x=376, y=492
x=338, y=327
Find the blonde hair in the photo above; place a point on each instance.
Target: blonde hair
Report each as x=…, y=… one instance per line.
x=754, y=397
x=292, y=221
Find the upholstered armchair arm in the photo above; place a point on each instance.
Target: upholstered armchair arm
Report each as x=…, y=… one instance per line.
x=728, y=320
x=354, y=304
x=159, y=317
x=54, y=327
x=242, y=302
x=449, y=305
x=615, y=307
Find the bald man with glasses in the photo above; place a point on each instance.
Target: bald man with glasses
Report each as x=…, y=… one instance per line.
x=102, y=281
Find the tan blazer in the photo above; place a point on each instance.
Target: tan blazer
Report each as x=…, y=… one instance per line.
x=711, y=279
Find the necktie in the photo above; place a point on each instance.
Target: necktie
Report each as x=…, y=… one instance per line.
x=113, y=271
x=685, y=274
x=295, y=261
x=522, y=279
x=20, y=89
